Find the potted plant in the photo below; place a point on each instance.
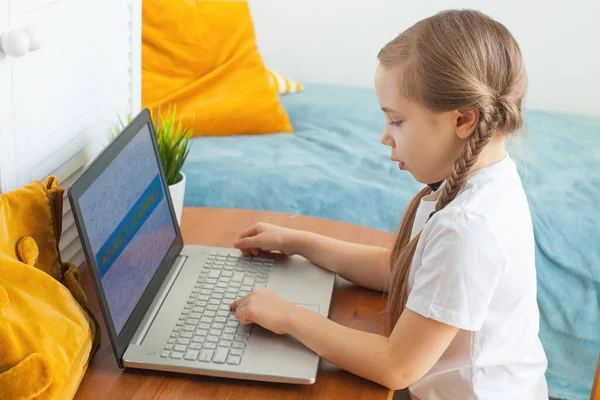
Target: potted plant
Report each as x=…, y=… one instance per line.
x=173, y=145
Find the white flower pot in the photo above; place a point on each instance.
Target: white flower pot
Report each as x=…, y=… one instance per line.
x=177, y=194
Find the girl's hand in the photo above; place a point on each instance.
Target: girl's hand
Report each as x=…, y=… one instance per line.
x=267, y=237
x=265, y=308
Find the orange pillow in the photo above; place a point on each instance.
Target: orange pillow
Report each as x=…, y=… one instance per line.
x=202, y=56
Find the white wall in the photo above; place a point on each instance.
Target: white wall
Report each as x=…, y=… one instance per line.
x=336, y=41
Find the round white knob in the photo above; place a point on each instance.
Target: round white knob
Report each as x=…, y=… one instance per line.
x=35, y=40
x=15, y=43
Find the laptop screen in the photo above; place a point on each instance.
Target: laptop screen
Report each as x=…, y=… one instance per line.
x=129, y=224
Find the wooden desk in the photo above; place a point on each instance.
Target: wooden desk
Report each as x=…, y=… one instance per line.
x=351, y=306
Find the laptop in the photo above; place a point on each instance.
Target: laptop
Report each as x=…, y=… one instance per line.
x=166, y=304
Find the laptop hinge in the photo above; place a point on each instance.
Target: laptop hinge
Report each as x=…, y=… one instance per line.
x=160, y=297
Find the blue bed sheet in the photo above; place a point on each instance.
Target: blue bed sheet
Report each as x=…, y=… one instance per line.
x=333, y=166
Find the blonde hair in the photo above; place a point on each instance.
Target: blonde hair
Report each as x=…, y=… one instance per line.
x=454, y=60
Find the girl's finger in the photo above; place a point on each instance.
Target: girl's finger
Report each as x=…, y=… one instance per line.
x=239, y=302
x=255, y=251
x=243, y=315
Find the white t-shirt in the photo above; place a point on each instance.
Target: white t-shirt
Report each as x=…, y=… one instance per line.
x=474, y=268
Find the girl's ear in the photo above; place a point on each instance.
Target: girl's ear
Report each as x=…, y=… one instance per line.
x=466, y=123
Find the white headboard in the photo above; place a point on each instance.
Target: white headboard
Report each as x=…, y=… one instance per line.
x=336, y=41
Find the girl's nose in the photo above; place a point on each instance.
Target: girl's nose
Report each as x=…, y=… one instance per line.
x=386, y=140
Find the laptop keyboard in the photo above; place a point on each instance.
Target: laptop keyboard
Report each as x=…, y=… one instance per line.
x=207, y=331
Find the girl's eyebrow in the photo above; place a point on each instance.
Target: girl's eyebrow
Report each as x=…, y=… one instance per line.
x=388, y=110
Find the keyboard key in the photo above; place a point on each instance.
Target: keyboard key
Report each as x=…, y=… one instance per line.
x=219, y=290
x=236, y=285
x=243, y=293
x=206, y=292
x=247, y=288
x=198, y=309
x=214, y=273
x=221, y=257
x=185, y=312
x=202, y=332
x=183, y=341
x=191, y=355
x=220, y=262
x=214, y=302
x=214, y=339
x=212, y=281
x=198, y=339
x=219, y=325
x=225, y=343
x=209, y=345
x=231, y=290
x=233, y=324
x=239, y=345
x=229, y=330
x=193, y=296
x=224, y=307
x=228, y=336
x=196, y=346
x=237, y=277
x=223, y=313
x=244, y=329
x=176, y=354
x=203, y=298
x=260, y=285
x=212, y=307
x=171, y=341
x=190, y=301
x=187, y=306
x=195, y=315
x=227, y=274
x=192, y=321
x=165, y=353
x=177, y=329
x=241, y=338
x=210, y=314
x=186, y=335
x=221, y=320
x=228, y=267
x=222, y=285
x=206, y=320
x=216, y=332
x=221, y=355
x=201, y=303
x=174, y=334
x=204, y=326
x=248, y=281
x=218, y=296
x=168, y=346
x=206, y=355
x=236, y=352
x=180, y=347
x=189, y=328
x=234, y=360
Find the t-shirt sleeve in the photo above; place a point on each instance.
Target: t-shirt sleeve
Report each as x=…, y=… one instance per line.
x=461, y=265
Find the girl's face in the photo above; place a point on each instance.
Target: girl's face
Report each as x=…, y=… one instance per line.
x=423, y=142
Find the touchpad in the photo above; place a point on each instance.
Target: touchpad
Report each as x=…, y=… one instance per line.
x=310, y=307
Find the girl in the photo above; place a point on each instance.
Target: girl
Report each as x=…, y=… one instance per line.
x=461, y=279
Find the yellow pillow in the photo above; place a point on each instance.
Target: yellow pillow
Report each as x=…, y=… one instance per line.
x=202, y=56
x=283, y=84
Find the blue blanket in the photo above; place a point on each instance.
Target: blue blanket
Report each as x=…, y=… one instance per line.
x=333, y=166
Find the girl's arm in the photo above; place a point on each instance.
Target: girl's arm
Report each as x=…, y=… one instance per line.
x=367, y=266
x=415, y=345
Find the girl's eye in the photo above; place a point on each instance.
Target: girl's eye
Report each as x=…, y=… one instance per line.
x=396, y=123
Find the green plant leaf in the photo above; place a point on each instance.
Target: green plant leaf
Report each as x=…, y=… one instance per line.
x=172, y=137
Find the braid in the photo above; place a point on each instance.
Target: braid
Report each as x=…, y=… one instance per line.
x=464, y=163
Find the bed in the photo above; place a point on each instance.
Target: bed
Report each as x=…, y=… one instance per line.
x=333, y=166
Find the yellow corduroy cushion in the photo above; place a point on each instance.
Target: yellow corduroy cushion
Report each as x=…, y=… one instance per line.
x=202, y=56
x=283, y=84
x=46, y=335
